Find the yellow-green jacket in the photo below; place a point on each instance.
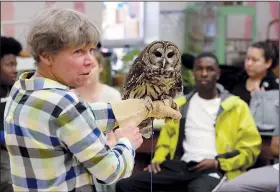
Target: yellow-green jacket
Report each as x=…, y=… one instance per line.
x=238, y=142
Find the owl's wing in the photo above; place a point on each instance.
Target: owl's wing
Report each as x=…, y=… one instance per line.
x=133, y=79
x=179, y=83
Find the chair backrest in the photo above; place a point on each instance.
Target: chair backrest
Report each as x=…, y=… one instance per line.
x=264, y=106
x=220, y=184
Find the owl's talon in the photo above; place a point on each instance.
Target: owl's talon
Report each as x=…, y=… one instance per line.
x=166, y=102
x=176, y=121
x=167, y=120
x=174, y=105
x=148, y=103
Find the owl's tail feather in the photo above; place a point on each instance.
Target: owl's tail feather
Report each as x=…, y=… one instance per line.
x=146, y=128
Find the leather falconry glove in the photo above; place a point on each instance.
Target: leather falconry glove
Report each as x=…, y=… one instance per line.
x=137, y=110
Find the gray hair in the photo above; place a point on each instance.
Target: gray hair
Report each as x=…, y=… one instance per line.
x=54, y=29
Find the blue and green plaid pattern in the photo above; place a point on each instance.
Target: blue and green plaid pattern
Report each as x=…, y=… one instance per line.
x=55, y=139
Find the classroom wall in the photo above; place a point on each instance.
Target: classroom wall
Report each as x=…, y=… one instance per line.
x=265, y=11
x=21, y=12
x=172, y=22
x=170, y=25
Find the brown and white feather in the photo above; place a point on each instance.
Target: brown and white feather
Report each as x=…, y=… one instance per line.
x=155, y=73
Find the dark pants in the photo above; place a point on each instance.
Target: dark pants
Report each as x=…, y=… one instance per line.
x=174, y=176
x=5, y=179
x=6, y=187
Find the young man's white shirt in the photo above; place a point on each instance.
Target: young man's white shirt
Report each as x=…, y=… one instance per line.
x=200, y=140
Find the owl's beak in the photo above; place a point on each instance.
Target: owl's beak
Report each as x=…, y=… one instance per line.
x=163, y=63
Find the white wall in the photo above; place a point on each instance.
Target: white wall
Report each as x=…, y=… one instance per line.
x=172, y=22
x=151, y=21
x=174, y=6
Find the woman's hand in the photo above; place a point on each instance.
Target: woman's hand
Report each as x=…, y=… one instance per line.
x=111, y=139
x=205, y=164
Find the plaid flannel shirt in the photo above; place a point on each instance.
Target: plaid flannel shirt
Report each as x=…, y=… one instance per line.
x=55, y=142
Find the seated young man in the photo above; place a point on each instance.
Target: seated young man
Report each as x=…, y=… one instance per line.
x=216, y=137
x=259, y=179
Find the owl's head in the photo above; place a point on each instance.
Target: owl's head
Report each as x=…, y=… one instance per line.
x=162, y=55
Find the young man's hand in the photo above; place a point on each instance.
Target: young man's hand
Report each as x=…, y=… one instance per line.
x=153, y=167
x=205, y=164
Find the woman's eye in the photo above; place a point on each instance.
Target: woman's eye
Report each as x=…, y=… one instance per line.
x=78, y=51
x=92, y=50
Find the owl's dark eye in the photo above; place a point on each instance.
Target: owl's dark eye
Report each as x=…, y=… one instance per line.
x=171, y=54
x=158, y=54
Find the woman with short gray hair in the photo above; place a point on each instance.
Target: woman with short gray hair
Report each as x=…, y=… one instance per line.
x=55, y=139
x=54, y=29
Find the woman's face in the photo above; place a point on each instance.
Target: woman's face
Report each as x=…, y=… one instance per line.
x=255, y=64
x=72, y=66
x=8, y=72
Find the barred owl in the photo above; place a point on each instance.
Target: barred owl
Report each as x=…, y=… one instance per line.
x=154, y=75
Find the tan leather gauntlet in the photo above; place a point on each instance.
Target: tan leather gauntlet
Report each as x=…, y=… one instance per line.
x=137, y=110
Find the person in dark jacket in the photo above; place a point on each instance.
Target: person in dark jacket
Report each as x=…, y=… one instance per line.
x=260, y=60
x=10, y=48
x=187, y=75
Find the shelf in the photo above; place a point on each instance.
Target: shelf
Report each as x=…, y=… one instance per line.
x=195, y=41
